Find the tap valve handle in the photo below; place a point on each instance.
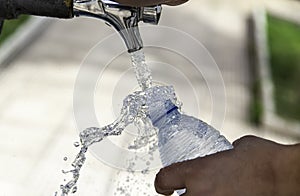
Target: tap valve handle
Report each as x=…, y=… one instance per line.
x=151, y=14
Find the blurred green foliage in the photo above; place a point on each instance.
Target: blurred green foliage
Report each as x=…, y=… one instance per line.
x=284, y=47
x=256, y=107
x=10, y=26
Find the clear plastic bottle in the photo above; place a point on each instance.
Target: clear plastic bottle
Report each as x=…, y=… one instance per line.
x=182, y=137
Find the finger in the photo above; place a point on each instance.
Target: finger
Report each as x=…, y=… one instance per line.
x=171, y=178
x=242, y=140
x=139, y=3
x=175, y=2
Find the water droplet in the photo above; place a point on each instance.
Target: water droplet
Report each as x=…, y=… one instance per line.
x=65, y=158
x=130, y=118
x=76, y=144
x=145, y=171
x=74, y=189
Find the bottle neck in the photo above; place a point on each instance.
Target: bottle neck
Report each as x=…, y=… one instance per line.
x=163, y=113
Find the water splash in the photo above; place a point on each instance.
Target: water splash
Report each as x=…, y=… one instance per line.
x=134, y=111
x=76, y=144
x=75, y=171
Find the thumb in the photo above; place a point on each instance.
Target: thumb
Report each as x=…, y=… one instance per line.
x=175, y=2
x=246, y=140
x=171, y=178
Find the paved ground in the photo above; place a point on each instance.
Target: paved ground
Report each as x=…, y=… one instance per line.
x=37, y=122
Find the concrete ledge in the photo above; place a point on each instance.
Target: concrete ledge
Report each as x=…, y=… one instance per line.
x=270, y=118
x=22, y=38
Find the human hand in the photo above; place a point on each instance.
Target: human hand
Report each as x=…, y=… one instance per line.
x=141, y=3
x=254, y=167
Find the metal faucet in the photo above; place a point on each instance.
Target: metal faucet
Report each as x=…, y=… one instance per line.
x=123, y=18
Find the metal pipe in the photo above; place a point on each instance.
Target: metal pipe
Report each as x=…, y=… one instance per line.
x=124, y=19
x=10, y=9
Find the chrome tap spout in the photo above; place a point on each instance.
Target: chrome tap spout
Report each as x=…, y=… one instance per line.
x=124, y=19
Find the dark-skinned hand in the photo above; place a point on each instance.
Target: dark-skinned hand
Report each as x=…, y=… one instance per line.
x=255, y=167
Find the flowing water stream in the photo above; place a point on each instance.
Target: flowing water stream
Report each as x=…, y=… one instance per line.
x=134, y=111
